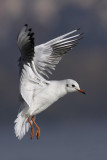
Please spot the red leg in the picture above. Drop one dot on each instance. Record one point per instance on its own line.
(38, 129)
(32, 128)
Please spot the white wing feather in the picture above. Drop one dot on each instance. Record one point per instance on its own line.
(48, 55)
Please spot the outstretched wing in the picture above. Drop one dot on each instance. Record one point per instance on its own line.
(49, 54)
(25, 43)
(30, 80)
(43, 58)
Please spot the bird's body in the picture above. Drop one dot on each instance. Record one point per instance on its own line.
(37, 93)
(50, 93)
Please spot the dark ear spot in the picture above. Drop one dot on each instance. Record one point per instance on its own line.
(67, 85)
(47, 84)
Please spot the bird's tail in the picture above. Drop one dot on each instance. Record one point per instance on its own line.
(21, 125)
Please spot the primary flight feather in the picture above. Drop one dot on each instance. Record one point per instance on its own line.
(36, 63)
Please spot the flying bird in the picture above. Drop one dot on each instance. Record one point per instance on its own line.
(37, 93)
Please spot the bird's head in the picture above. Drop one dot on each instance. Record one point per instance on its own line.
(72, 86)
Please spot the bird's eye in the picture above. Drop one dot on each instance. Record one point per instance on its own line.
(73, 85)
(67, 85)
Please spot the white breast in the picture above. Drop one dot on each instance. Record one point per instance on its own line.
(48, 96)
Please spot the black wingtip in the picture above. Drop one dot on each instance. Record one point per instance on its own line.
(30, 29)
(80, 38)
(81, 34)
(32, 34)
(78, 29)
(76, 43)
(26, 25)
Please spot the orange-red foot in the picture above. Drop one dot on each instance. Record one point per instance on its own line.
(32, 128)
(38, 133)
(38, 129)
(32, 132)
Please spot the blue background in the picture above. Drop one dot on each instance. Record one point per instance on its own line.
(75, 127)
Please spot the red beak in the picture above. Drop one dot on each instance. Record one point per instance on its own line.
(80, 90)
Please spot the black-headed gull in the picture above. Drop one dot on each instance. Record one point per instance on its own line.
(36, 92)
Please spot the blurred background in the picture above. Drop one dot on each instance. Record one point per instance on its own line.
(75, 127)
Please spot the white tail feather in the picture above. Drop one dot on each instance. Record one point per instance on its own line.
(21, 125)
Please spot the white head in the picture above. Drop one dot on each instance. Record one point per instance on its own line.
(72, 86)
